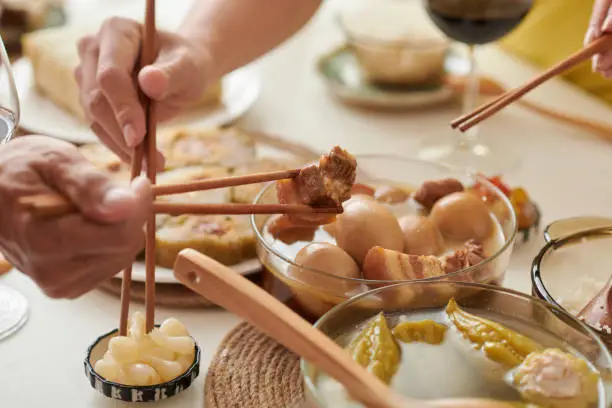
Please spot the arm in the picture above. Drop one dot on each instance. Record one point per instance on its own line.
(236, 32)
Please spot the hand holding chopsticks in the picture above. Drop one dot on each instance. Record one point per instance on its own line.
(485, 111)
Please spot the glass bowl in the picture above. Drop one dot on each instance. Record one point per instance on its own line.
(573, 267)
(312, 292)
(541, 321)
(388, 47)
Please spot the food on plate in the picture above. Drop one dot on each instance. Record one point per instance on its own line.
(387, 264)
(225, 238)
(206, 147)
(19, 17)
(54, 57)
(141, 359)
(449, 353)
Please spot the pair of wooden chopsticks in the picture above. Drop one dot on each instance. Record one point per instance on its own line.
(46, 205)
(485, 111)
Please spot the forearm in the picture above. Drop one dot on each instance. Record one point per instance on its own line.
(236, 32)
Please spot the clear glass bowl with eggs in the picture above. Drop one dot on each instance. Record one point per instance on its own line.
(447, 362)
(314, 270)
(389, 45)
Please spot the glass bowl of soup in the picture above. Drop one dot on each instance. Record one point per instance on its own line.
(388, 232)
(465, 340)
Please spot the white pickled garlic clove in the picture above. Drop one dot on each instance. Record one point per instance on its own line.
(173, 328)
(181, 345)
(185, 361)
(137, 326)
(123, 349)
(108, 369)
(141, 374)
(168, 370)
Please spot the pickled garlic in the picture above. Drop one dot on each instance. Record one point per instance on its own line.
(141, 359)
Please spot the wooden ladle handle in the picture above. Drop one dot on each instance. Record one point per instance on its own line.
(226, 288)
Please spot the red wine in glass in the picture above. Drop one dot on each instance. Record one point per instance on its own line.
(474, 22)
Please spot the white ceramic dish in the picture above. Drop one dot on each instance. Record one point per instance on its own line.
(165, 275)
(39, 115)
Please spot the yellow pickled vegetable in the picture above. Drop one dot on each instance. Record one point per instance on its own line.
(424, 331)
(375, 348)
(500, 344)
(555, 379)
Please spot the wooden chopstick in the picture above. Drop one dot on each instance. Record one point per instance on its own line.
(55, 204)
(180, 208)
(487, 110)
(148, 57)
(209, 184)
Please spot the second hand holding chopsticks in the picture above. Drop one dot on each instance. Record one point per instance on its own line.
(467, 121)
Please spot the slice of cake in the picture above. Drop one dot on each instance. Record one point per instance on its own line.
(54, 57)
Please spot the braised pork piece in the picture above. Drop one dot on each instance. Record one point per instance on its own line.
(326, 183)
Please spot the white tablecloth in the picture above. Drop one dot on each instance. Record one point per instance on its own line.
(567, 172)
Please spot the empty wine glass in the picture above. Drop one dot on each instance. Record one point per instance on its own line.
(14, 310)
(474, 22)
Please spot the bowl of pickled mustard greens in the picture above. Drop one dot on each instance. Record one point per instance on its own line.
(431, 340)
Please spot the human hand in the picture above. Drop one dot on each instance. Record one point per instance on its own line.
(601, 23)
(69, 255)
(108, 89)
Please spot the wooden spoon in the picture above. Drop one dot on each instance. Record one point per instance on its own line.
(597, 313)
(223, 286)
(490, 87)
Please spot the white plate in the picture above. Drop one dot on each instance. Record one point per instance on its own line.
(39, 115)
(165, 275)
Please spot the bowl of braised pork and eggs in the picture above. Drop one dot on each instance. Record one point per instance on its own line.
(402, 220)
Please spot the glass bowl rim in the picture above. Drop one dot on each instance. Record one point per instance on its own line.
(353, 37)
(537, 282)
(312, 389)
(480, 179)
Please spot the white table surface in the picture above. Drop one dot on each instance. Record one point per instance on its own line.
(567, 172)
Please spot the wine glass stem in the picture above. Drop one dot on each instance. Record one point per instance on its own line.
(470, 97)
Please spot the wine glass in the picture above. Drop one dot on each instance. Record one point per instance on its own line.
(14, 310)
(474, 22)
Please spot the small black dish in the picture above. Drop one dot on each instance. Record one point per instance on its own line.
(130, 393)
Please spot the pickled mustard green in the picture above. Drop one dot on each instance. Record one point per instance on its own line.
(422, 331)
(499, 344)
(376, 349)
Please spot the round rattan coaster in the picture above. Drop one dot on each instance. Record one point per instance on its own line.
(250, 370)
(167, 295)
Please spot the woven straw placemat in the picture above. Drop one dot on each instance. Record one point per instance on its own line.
(250, 370)
(167, 295)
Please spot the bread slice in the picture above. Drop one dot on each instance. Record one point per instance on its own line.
(54, 57)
